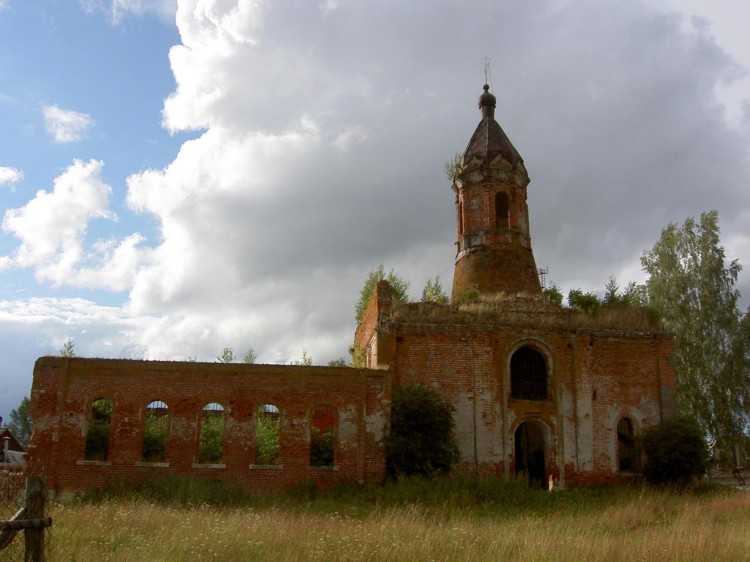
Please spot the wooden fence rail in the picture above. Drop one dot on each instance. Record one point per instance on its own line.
(29, 519)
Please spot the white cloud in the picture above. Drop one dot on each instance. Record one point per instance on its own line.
(52, 229)
(65, 125)
(321, 156)
(4, 4)
(10, 176)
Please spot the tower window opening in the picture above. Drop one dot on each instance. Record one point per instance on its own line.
(460, 218)
(528, 375)
(502, 213)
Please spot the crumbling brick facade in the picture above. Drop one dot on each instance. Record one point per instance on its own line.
(592, 378)
(539, 390)
(65, 388)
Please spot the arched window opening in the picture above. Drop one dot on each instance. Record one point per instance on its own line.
(212, 434)
(155, 432)
(626, 454)
(502, 210)
(99, 430)
(528, 374)
(267, 434)
(460, 218)
(322, 437)
(530, 454)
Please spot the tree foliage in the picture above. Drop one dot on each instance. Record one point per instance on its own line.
(211, 437)
(250, 356)
(433, 291)
(693, 288)
(267, 435)
(399, 286)
(676, 452)
(553, 294)
(227, 356)
(588, 302)
(68, 348)
(155, 434)
(421, 440)
(20, 423)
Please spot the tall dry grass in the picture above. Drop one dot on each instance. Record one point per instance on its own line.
(631, 525)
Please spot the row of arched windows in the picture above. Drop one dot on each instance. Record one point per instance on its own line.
(211, 433)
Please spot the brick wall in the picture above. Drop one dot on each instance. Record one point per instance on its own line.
(64, 389)
(594, 378)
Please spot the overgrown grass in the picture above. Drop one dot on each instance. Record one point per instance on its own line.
(445, 519)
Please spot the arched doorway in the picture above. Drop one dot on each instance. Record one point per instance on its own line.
(531, 454)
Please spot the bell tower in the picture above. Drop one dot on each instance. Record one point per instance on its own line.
(494, 245)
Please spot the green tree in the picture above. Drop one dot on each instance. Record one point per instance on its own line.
(421, 440)
(588, 302)
(20, 423)
(227, 356)
(340, 362)
(676, 452)
(433, 292)
(68, 348)
(692, 287)
(633, 294)
(306, 360)
(553, 294)
(267, 435)
(399, 286)
(249, 357)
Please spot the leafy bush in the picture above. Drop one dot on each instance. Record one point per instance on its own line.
(676, 453)
(212, 438)
(421, 440)
(267, 436)
(155, 437)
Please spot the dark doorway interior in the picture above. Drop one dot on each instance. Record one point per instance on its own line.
(530, 454)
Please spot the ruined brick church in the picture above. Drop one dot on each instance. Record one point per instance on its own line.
(539, 390)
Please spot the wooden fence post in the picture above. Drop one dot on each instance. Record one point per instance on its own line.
(36, 497)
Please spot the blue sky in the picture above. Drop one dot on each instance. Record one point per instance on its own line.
(177, 176)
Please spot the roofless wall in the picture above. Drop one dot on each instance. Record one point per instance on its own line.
(91, 418)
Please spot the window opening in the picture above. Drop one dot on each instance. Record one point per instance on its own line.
(460, 218)
(212, 434)
(155, 432)
(626, 454)
(267, 434)
(502, 213)
(528, 374)
(99, 430)
(322, 437)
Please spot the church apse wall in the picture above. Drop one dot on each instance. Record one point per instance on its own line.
(99, 421)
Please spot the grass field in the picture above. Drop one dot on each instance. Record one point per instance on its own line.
(443, 520)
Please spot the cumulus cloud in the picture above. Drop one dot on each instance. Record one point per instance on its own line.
(52, 228)
(323, 129)
(66, 125)
(10, 176)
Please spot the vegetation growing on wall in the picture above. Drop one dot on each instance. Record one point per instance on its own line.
(399, 286)
(267, 434)
(212, 434)
(155, 432)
